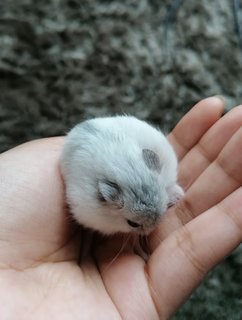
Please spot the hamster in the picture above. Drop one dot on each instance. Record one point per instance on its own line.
(120, 174)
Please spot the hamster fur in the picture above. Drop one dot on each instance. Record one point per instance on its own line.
(120, 174)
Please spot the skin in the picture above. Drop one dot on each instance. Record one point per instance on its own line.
(40, 277)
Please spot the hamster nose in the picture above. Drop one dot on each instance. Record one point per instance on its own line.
(133, 224)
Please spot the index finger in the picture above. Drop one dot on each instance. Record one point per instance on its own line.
(194, 124)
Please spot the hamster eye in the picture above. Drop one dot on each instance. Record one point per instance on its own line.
(133, 224)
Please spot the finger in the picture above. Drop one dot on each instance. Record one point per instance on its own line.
(30, 182)
(210, 145)
(195, 123)
(220, 179)
(34, 222)
(183, 259)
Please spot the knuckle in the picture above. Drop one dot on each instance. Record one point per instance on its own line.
(231, 217)
(204, 152)
(184, 211)
(230, 170)
(187, 247)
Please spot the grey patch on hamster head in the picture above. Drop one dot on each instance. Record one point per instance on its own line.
(89, 127)
(109, 192)
(151, 159)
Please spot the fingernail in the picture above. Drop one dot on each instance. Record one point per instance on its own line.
(221, 98)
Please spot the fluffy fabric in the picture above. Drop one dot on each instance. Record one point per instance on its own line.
(62, 61)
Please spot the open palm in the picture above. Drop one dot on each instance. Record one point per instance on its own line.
(41, 276)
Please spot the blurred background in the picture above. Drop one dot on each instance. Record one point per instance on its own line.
(62, 61)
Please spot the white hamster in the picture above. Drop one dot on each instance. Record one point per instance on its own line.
(120, 174)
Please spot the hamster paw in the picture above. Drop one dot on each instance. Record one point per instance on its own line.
(175, 194)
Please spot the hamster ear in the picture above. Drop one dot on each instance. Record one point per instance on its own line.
(110, 192)
(151, 159)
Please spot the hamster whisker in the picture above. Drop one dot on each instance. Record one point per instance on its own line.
(117, 255)
(142, 247)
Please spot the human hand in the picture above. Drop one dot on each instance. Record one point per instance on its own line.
(40, 277)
